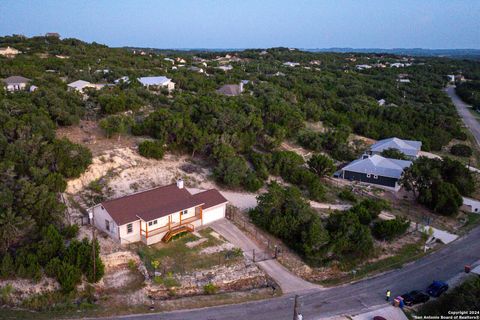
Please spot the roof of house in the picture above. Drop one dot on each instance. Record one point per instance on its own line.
(407, 147)
(230, 90)
(79, 84)
(154, 81)
(15, 80)
(159, 202)
(378, 165)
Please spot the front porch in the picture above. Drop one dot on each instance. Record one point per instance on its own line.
(150, 235)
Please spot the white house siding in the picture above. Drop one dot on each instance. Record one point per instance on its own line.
(134, 236)
(214, 213)
(471, 205)
(100, 215)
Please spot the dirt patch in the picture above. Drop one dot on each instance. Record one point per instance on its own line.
(89, 134)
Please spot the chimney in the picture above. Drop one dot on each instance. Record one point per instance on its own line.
(180, 184)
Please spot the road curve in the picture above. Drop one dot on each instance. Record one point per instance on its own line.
(463, 110)
(347, 299)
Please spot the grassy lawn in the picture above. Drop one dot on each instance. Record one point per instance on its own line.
(176, 257)
(473, 220)
(407, 253)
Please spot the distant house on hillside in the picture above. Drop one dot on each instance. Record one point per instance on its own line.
(124, 79)
(52, 34)
(291, 64)
(157, 82)
(15, 83)
(409, 148)
(231, 89)
(80, 86)
(363, 66)
(225, 68)
(158, 214)
(9, 52)
(381, 102)
(196, 69)
(375, 170)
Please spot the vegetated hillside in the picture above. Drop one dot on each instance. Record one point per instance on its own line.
(238, 135)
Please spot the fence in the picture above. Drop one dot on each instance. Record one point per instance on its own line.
(271, 248)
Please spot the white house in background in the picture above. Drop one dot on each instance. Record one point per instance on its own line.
(158, 214)
(15, 83)
(169, 60)
(225, 68)
(363, 66)
(80, 86)
(157, 82)
(9, 52)
(410, 148)
(470, 205)
(33, 88)
(291, 64)
(451, 78)
(196, 69)
(381, 102)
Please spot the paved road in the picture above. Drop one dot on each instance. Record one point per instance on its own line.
(463, 110)
(348, 299)
(286, 280)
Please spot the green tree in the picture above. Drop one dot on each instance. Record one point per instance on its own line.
(321, 165)
(151, 149)
(394, 154)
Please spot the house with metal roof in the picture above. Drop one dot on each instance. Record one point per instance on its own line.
(231, 89)
(410, 148)
(15, 83)
(376, 170)
(80, 85)
(157, 82)
(157, 214)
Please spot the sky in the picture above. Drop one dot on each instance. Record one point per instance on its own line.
(434, 24)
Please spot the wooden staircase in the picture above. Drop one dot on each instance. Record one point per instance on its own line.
(171, 233)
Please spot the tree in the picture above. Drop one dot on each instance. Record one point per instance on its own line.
(116, 124)
(390, 229)
(393, 154)
(7, 268)
(461, 150)
(151, 149)
(12, 227)
(70, 159)
(321, 165)
(446, 200)
(231, 171)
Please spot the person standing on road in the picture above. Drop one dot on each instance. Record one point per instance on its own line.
(387, 295)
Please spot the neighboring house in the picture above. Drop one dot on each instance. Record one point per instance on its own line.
(291, 64)
(375, 170)
(15, 83)
(195, 69)
(451, 78)
(470, 205)
(363, 66)
(80, 86)
(52, 34)
(410, 148)
(225, 68)
(381, 102)
(157, 82)
(158, 214)
(9, 52)
(231, 89)
(33, 88)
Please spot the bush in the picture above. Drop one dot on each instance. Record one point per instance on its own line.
(321, 165)
(390, 229)
(347, 195)
(7, 268)
(210, 288)
(394, 154)
(151, 149)
(461, 150)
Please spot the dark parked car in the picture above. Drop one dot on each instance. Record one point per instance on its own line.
(415, 297)
(437, 288)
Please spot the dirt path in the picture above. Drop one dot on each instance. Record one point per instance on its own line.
(286, 280)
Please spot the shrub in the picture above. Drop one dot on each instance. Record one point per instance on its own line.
(394, 154)
(347, 195)
(132, 265)
(390, 229)
(461, 150)
(210, 288)
(321, 165)
(7, 268)
(151, 149)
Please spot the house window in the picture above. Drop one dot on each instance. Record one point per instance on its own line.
(130, 228)
(184, 212)
(151, 223)
(107, 225)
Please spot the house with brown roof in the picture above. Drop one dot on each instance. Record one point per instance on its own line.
(157, 214)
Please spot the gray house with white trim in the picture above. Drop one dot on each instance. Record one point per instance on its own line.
(377, 170)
